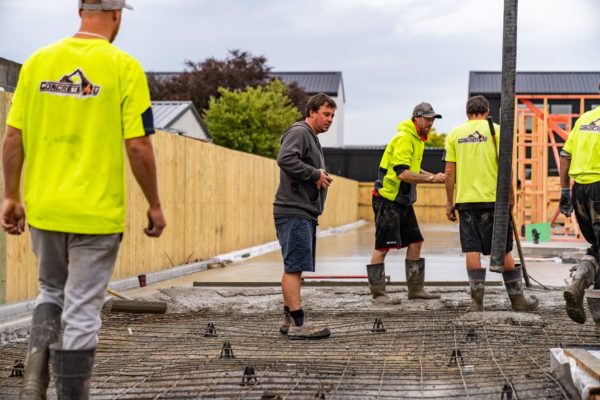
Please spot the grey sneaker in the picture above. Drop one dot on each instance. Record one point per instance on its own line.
(307, 331)
(285, 325)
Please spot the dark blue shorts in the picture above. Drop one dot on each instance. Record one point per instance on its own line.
(298, 240)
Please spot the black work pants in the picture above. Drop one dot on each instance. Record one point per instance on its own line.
(586, 204)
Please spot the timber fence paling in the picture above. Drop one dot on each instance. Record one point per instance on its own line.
(4, 100)
(215, 200)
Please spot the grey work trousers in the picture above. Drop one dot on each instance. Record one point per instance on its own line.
(74, 271)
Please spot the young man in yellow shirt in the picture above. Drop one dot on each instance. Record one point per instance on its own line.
(472, 167)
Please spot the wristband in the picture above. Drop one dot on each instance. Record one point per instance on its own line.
(565, 191)
(430, 178)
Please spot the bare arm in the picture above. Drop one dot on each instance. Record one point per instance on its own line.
(141, 159)
(565, 179)
(450, 182)
(414, 178)
(13, 157)
(12, 162)
(565, 204)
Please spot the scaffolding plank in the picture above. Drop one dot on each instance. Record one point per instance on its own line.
(586, 361)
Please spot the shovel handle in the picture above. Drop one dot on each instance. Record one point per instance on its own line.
(117, 294)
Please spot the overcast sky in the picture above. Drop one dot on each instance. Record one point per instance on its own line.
(393, 53)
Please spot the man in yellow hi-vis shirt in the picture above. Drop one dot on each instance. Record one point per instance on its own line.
(472, 166)
(77, 101)
(394, 193)
(580, 160)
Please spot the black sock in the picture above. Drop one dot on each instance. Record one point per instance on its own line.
(286, 311)
(298, 316)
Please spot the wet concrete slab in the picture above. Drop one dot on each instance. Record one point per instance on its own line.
(348, 253)
(430, 349)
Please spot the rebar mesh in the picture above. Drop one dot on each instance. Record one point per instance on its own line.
(436, 354)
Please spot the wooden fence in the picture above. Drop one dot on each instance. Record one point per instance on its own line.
(215, 199)
(429, 208)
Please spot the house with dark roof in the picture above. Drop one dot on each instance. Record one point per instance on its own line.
(557, 87)
(330, 83)
(547, 105)
(179, 117)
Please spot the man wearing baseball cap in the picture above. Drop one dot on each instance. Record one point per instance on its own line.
(70, 119)
(394, 193)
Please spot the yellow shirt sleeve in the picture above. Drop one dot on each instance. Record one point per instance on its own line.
(403, 151)
(450, 151)
(135, 99)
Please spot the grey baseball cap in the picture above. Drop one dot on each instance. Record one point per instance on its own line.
(104, 5)
(425, 110)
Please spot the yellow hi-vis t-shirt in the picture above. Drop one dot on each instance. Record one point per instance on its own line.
(75, 103)
(583, 144)
(471, 147)
(404, 150)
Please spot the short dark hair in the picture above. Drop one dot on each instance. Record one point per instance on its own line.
(315, 102)
(477, 105)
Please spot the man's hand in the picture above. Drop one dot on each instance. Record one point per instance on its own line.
(439, 178)
(324, 180)
(13, 216)
(450, 212)
(156, 222)
(565, 204)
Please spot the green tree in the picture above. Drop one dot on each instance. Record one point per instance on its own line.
(435, 139)
(201, 80)
(251, 120)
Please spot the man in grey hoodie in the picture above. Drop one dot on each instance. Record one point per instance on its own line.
(298, 203)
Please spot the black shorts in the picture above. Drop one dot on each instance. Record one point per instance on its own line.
(396, 226)
(476, 227)
(586, 204)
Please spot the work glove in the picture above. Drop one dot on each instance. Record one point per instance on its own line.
(565, 204)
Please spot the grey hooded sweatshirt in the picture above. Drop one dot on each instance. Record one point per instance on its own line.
(300, 160)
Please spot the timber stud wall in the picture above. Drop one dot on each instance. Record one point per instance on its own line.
(215, 200)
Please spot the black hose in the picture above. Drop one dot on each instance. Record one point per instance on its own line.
(507, 117)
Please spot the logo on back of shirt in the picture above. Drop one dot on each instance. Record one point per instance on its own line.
(74, 84)
(593, 126)
(474, 137)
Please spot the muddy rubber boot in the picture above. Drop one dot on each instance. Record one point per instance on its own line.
(477, 283)
(45, 328)
(415, 280)
(513, 281)
(72, 370)
(284, 327)
(584, 276)
(376, 274)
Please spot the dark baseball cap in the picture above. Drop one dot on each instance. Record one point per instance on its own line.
(425, 110)
(104, 5)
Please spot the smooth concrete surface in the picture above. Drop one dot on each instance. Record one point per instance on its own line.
(347, 253)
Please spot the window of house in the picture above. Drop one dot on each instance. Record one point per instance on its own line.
(561, 109)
